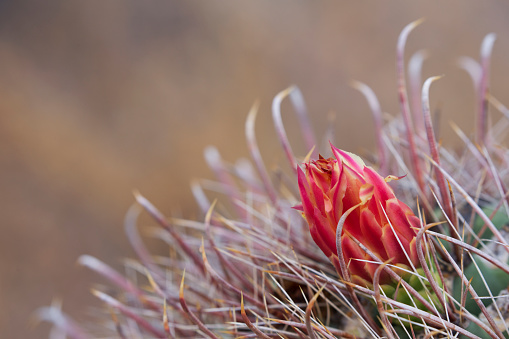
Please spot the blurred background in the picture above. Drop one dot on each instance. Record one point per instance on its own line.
(100, 98)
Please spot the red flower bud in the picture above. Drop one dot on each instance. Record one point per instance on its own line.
(330, 187)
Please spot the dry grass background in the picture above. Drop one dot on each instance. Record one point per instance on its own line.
(99, 98)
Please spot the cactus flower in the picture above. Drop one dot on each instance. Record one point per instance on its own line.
(329, 188)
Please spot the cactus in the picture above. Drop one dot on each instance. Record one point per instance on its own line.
(254, 267)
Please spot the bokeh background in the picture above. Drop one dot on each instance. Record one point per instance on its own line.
(98, 98)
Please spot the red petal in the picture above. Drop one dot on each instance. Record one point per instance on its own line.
(413, 220)
(318, 194)
(415, 223)
(352, 225)
(399, 219)
(335, 174)
(374, 206)
(317, 175)
(339, 191)
(307, 205)
(351, 252)
(393, 247)
(345, 157)
(382, 190)
(372, 234)
(352, 174)
(350, 199)
(352, 189)
(413, 253)
(303, 181)
(323, 234)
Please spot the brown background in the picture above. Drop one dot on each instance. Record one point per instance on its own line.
(100, 97)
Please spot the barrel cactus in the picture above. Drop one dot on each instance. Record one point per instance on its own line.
(335, 248)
